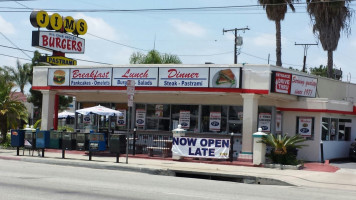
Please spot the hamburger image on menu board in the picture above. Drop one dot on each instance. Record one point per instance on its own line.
(59, 77)
(224, 78)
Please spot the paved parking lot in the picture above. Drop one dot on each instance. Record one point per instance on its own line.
(344, 164)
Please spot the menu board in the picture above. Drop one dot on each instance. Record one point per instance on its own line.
(225, 77)
(183, 77)
(142, 76)
(90, 77)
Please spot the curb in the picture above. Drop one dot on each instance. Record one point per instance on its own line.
(163, 172)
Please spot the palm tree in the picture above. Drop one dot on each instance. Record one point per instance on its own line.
(276, 11)
(281, 144)
(11, 110)
(154, 57)
(329, 18)
(20, 74)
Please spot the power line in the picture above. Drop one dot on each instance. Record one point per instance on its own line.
(15, 45)
(125, 45)
(14, 57)
(212, 8)
(44, 54)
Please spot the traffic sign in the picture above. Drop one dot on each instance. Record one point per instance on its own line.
(130, 83)
(130, 90)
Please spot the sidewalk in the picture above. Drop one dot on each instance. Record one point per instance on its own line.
(313, 176)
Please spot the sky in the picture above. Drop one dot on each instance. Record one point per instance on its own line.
(196, 36)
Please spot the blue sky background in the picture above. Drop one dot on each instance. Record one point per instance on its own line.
(195, 36)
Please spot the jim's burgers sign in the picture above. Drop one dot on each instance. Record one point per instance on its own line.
(62, 35)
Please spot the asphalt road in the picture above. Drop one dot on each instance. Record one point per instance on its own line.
(23, 180)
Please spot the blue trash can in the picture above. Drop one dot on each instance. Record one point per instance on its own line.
(42, 139)
(17, 138)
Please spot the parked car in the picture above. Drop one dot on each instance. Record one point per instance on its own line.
(352, 153)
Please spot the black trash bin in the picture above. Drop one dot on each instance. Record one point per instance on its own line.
(68, 141)
(82, 141)
(55, 141)
(117, 143)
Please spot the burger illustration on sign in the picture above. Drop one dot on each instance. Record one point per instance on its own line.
(224, 78)
(59, 77)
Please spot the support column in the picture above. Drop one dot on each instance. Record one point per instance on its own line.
(48, 101)
(250, 116)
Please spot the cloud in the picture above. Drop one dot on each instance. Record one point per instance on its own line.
(98, 27)
(265, 39)
(188, 27)
(7, 27)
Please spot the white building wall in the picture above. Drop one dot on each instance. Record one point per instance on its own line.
(311, 151)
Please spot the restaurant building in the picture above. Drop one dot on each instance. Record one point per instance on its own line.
(209, 100)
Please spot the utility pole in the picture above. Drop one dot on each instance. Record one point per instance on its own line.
(306, 46)
(237, 43)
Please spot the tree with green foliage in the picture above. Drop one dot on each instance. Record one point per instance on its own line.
(276, 11)
(319, 71)
(19, 75)
(154, 57)
(283, 147)
(329, 18)
(322, 71)
(11, 109)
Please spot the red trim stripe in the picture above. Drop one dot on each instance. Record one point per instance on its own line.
(196, 89)
(319, 110)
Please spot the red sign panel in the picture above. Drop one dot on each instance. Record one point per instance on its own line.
(282, 82)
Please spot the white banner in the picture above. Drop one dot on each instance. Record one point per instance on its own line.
(215, 121)
(184, 119)
(140, 117)
(303, 86)
(90, 77)
(141, 76)
(121, 120)
(201, 147)
(305, 126)
(183, 77)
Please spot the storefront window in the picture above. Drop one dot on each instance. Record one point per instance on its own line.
(158, 117)
(334, 129)
(186, 115)
(214, 119)
(325, 129)
(235, 119)
(344, 129)
(334, 126)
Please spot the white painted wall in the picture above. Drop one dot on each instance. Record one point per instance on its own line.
(311, 151)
